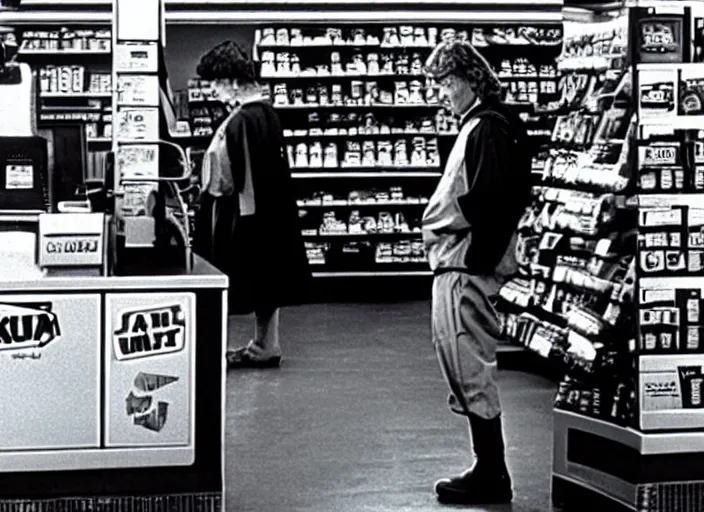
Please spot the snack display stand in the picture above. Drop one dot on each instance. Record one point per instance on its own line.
(640, 446)
(113, 363)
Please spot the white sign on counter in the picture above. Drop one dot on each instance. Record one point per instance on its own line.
(71, 239)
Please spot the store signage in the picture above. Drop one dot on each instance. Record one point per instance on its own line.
(71, 240)
(27, 326)
(68, 244)
(151, 332)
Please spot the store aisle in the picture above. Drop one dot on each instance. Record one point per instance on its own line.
(355, 419)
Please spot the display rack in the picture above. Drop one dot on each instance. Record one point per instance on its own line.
(576, 250)
(648, 456)
(73, 68)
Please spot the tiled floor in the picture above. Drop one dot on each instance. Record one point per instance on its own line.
(355, 420)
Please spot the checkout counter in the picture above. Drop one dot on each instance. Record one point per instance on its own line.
(112, 356)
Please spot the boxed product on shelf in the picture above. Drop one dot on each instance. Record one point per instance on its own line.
(671, 321)
(661, 166)
(406, 36)
(670, 392)
(671, 242)
(73, 79)
(662, 241)
(658, 93)
(660, 39)
(66, 39)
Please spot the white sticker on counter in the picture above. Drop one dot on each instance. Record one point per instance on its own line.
(150, 332)
(27, 326)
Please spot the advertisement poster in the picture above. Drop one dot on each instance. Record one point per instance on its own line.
(50, 371)
(138, 124)
(150, 358)
(138, 161)
(657, 95)
(138, 90)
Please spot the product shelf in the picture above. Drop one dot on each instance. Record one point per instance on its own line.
(55, 53)
(362, 174)
(695, 200)
(83, 94)
(364, 204)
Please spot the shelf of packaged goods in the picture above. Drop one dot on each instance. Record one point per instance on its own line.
(227, 15)
(357, 107)
(325, 136)
(386, 47)
(344, 173)
(55, 52)
(55, 17)
(669, 283)
(394, 76)
(402, 235)
(595, 62)
(84, 94)
(362, 204)
(667, 200)
(375, 273)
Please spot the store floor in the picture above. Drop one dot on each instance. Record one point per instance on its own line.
(355, 420)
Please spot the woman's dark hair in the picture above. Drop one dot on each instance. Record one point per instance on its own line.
(228, 60)
(461, 59)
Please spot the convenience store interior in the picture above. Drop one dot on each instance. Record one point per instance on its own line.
(356, 418)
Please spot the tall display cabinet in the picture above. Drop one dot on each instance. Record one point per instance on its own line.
(629, 422)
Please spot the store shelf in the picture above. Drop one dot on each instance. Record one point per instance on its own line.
(99, 140)
(357, 76)
(349, 204)
(674, 122)
(667, 200)
(369, 174)
(217, 16)
(395, 234)
(595, 62)
(643, 443)
(63, 52)
(364, 135)
(357, 107)
(85, 94)
(667, 283)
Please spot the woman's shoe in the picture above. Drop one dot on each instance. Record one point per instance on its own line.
(251, 357)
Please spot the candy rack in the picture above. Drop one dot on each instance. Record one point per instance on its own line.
(647, 457)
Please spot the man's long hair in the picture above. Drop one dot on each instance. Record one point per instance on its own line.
(461, 59)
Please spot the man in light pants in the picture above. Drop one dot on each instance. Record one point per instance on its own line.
(469, 230)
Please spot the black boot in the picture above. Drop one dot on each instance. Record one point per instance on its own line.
(488, 481)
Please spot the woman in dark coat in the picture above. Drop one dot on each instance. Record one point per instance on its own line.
(247, 223)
